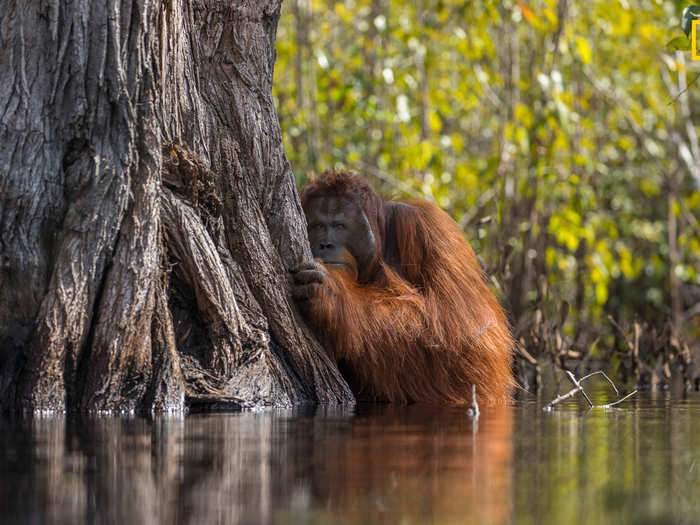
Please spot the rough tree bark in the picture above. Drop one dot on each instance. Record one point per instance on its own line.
(148, 214)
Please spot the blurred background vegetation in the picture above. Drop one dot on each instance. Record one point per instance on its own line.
(561, 135)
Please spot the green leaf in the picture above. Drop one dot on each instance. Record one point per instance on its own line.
(680, 43)
(690, 13)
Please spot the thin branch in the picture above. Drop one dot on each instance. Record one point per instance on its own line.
(578, 388)
(473, 412)
(562, 397)
(575, 382)
(684, 90)
(692, 221)
(523, 352)
(618, 401)
(605, 376)
(686, 150)
(393, 181)
(483, 199)
(491, 95)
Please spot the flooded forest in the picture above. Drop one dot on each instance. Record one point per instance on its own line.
(173, 348)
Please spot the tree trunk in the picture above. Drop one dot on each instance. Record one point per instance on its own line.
(148, 214)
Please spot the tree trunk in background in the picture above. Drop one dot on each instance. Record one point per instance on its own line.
(148, 214)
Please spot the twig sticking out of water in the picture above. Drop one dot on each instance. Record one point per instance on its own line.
(578, 387)
(601, 373)
(561, 398)
(473, 411)
(618, 401)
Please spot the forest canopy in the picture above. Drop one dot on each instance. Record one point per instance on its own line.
(562, 136)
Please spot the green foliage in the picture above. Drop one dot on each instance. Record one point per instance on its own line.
(679, 43)
(552, 131)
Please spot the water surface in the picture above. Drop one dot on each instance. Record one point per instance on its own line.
(639, 463)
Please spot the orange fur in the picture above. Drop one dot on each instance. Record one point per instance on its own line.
(425, 328)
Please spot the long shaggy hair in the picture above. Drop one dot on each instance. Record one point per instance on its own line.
(424, 329)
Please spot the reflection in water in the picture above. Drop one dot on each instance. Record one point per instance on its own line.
(639, 463)
(412, 464)
(372, 464)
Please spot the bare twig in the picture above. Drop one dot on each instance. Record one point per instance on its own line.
(393, 181)
(525, 353)
(490, 93)
(562, 397)
(576, 383)
(473, 411)
(600, 372)
(692, 221)
(579, 388)
(618, 401)
(483, 199)
(684, 90)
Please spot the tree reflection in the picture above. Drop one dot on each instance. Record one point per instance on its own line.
(415, 464)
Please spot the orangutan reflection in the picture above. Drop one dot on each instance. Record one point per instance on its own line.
(393, 464)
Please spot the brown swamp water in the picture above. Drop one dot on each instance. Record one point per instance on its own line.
(639, 463)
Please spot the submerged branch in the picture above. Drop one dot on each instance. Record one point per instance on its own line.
(578, 387)
(562, 397)
(618, 401)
